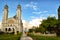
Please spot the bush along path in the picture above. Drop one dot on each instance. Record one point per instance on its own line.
(38, 37)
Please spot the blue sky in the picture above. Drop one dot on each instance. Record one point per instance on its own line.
(31, 9)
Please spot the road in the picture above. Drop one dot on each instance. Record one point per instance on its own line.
(25, 37)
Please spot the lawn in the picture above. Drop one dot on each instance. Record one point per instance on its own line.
(38, 37)
(10, 37)
(17, 37)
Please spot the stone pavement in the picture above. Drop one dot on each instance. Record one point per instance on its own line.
(25, 37)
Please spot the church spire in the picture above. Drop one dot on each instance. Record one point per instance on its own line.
(6, 7)
(18, 12)
(19, 7)
(5, 12)
(5, 15)
(18, 17)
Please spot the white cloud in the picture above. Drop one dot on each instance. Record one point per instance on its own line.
(39, 12)
(51, 15)
(34, 22)
(33, 17)
(45, 11)
(26, 24)
(32, 5)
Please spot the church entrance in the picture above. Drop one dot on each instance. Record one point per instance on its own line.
(9, 30)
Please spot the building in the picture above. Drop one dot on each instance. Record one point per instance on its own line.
(12, 24)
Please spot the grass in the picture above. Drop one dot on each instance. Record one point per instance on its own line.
(38, 37)
(17, 37)
(10, 37)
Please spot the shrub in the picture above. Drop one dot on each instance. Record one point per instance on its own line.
(38, 37)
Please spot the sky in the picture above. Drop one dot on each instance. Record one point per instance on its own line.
(32, 10)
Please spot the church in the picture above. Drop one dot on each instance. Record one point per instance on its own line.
(13, 24)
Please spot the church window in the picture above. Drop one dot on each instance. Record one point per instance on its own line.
(6, 29)
(9, 29)
(8, 25)
(13, 29)
(11, 25)
(11, 21)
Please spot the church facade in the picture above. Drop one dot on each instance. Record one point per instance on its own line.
(12, 24)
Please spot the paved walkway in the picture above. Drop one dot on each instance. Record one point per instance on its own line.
(24, 37)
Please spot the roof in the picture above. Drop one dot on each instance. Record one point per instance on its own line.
(6, 6)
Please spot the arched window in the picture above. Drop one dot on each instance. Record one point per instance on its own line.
(11, 25)
(5, 29)
(13, 29)
(9, 29)
(8, 25)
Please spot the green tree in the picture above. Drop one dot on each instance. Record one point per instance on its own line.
(59, 13)
(50, 22)
(32, 29)
(42, 29)
(37, 29)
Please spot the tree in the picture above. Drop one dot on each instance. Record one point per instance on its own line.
(57, 28)
(49, 23)
(32, 29)
(59, 13)
(42, 29)
(37, 29)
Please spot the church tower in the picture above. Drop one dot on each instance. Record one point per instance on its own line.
(18, 12)
(18, 18)
(12, 24)
(59, 13)
(5, 15)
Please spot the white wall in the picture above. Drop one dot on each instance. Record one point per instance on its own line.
(0, 25)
